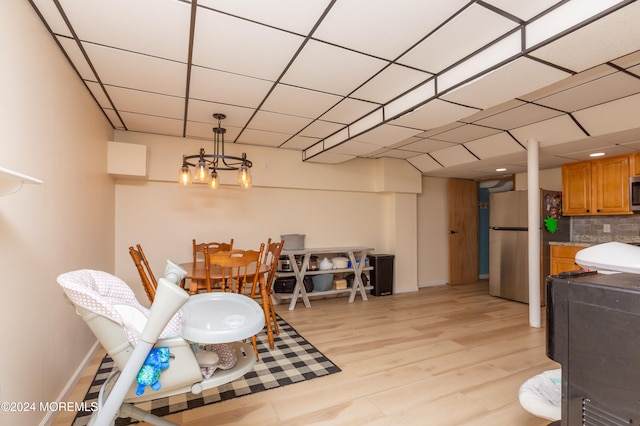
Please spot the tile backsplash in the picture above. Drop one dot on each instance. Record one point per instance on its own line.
(590, 229)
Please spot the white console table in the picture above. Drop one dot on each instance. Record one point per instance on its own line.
(357, 256)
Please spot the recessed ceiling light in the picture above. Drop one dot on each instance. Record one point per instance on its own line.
(502, 169)
(596, 154)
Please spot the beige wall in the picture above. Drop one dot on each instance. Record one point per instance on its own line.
(51, 129)
(433, 241)
(347, 204)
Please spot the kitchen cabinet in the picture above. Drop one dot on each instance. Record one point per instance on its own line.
(357, 256)
(596, 187)
(634, 164)
(563, 258)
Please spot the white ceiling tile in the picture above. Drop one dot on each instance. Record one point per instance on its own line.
(425, 163)
(625, 136)
(98, 94)
(300, 142)
(520, 116)
(355, 148)
(465, 133)
(298, 101)
(262, 138)
(245, 48)
(383, 29)
(480, 63)
(605, 89)
(434, 114)
(196, 129)
(51, 15)
(163, 33)
(113, 118)
(300, 17)
(580, 145)
(386, 135)
(410, 100)
(524, 10)
(126, 69)
(393, 153)
(281, 123)
(202, 111)
(77, 58)
(227, 88)
(494, 146)
(454, 41)
(569, 82)
(507, 82)
(628, 60)
(321, 129)
(329, 157)
(128, 100)
(393, 81)
(349, 110)
(549, 132)
(505, 106)
(152, 124)
(331, 69)
(453, 156)
(427, 145)
(587, 47)
(615, 116)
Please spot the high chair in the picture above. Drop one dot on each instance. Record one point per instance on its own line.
(128, 331)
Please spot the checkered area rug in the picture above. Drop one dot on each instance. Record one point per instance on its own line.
(292, 360)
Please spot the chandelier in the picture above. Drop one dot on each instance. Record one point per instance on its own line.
(207, 166)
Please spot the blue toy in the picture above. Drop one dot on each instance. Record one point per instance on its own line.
(149, 374)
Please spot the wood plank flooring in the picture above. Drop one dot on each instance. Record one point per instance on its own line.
(447, 355)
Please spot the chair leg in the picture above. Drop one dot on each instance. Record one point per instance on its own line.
(255, 347)
(276, 330)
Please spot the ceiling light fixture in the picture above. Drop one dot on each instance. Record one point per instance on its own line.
(206, 169)
(501, 169)
(596, 154)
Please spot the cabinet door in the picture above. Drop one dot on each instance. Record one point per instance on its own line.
(576, 188)
(563, 259)
(610, 178)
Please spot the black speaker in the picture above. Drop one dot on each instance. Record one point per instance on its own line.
(381, 277)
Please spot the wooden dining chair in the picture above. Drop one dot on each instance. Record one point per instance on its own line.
(237, 271)
(146, 275)
(200, 250)
(270, 259)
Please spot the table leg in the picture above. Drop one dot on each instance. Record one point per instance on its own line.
(357, 280)
(299, 289)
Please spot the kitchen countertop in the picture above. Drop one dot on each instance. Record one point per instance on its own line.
(570, 243)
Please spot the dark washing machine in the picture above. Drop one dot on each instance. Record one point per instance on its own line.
(381, 276)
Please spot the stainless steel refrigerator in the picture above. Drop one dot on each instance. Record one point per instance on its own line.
(508, 241)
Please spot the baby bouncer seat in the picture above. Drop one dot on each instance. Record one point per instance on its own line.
(128, 331)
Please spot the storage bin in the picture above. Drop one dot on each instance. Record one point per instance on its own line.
(322, 282)
(293, 241)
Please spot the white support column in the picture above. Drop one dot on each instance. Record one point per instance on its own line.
(533, 187)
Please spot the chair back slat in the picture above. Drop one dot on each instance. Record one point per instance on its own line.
(149, 282)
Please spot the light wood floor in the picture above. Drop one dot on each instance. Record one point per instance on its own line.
(440, 356)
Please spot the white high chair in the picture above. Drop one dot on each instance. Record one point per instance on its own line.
(127, 330)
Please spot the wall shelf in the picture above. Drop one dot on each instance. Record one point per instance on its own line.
(11, 181)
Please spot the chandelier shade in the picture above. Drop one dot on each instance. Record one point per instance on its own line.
(206, 166)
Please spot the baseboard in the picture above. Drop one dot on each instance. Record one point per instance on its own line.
(66, 391)
(432, 284)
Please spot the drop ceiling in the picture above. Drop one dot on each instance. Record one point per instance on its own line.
(457, 88)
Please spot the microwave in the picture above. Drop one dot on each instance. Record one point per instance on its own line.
(634, 193)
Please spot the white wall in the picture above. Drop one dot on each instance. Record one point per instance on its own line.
(51, 129)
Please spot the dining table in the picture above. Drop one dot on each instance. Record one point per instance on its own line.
(196, 272)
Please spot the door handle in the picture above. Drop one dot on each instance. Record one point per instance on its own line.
(451, 232)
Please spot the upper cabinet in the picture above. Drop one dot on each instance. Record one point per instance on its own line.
(596, 187)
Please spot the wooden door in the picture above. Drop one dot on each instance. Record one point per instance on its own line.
(463, 231)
